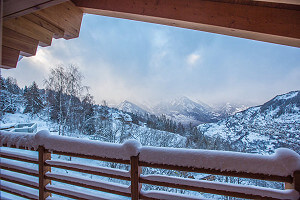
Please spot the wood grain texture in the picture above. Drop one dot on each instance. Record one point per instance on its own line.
(30, 29)
(135, 171)
(265, 21)
(288, 179)
(58, 32)
(17, 8)
(65, 16)
(26, 45)
(10, 57)
(43, 169)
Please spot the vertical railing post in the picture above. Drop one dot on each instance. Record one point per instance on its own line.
(43, 156)
(296, 182)
(135, 171)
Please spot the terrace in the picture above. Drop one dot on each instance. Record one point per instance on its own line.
(27, 24)
(283, 166)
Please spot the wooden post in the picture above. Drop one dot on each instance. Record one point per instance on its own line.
(135, 171)
(43, 156)
(1, 19)
(296, 182)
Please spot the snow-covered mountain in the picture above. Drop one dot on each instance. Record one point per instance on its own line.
(262, 128)
(184, 110)
(130, 107)
(228, 109)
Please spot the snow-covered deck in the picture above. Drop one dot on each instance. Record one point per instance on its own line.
(283, 166)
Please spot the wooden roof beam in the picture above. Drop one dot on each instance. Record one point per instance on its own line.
(58, 32)
(265, 20)
(22, 35)
(17, 8)
(66, 17)
(30, 29)
(26, 45)
(10, 57)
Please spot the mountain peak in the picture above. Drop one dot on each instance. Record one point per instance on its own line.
(184, 110)
(128, 106)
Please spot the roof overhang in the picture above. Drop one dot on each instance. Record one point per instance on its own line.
(27, 24)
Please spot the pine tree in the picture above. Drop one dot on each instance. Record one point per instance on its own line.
(9, 96)
(33, 100)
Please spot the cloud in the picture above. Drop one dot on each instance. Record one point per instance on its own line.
(193, 58)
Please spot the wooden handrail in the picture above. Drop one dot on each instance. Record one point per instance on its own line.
(45, 176)
(286, 179)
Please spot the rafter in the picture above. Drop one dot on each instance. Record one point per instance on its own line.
(69, 18)
(17, 8)
(266, 20)
(22, 35)
(26, 45)
(30, 29)
(58, 32)
(10, 57)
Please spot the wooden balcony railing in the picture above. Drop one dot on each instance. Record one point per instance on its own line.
(283, 166)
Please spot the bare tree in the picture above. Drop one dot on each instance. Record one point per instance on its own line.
(66, 82)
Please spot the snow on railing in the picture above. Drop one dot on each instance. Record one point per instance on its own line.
(282, 166)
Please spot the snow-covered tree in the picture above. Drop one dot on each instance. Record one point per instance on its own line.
(9, 96)
(33, 99)
(66, 84)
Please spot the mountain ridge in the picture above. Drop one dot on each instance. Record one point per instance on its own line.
(272, 124)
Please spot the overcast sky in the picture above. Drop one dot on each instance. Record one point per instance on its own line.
(142, 62)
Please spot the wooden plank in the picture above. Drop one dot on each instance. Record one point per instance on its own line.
(227, 191)
(288, 179)
(30, 29)
(19, 147)
(296, 183)
(58, 32)
(26, 45)
(22, 170)
(9, 57)
(18, 156)
(265, 21)
(100, 186)
(19, 180)
(71, 193)
(1, 25)
(158, 195)
(92, 157)
(43, 169)
(66, 16)
(17, 193)
(88, 169)
(135, 172)
(17, 8)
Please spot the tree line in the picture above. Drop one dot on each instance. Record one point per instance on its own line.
(68, 103)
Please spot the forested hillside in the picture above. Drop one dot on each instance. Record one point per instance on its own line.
(261, 129)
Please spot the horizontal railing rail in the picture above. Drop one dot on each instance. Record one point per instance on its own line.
(283, 166)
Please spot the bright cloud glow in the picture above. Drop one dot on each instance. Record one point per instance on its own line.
(193, 58)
